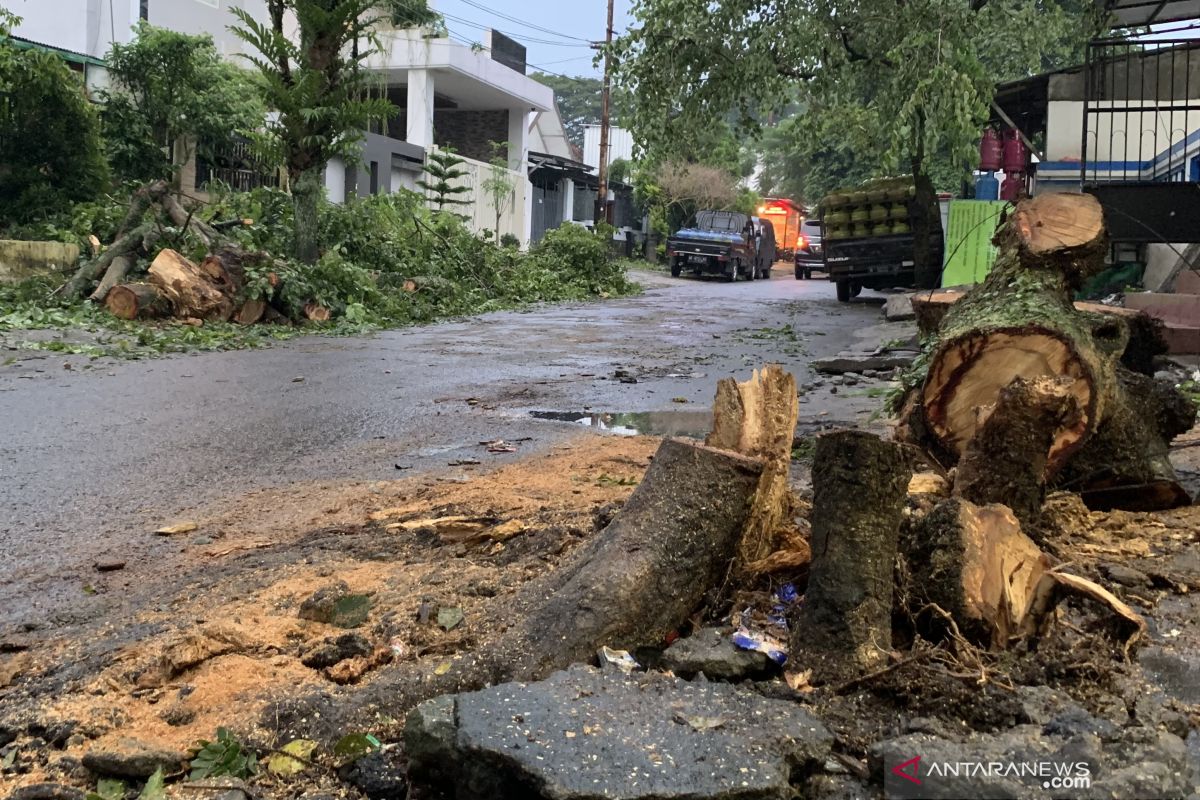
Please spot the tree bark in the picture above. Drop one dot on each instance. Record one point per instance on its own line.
(115, 274)
(136, 301)
(844, 627)
(127, 239)
(307, 191)
(1006, 461)
(976, 564)
(634, 584)
(757, 418)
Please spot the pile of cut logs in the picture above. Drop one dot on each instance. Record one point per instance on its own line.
(175, 286)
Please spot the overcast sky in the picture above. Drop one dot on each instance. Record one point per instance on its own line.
(557, 48)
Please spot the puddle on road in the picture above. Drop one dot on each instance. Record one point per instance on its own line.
(688, 424)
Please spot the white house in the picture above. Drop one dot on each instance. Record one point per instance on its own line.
(474, 99)
(83, 31)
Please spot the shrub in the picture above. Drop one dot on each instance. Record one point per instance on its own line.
(51, 153)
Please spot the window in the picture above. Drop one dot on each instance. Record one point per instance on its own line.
(374, 177)
(145, 9)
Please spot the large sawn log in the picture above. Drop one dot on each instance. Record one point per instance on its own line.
(1020, 323)
(200, 291)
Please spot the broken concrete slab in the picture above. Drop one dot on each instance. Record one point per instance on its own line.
(857, 362)
(711, 651)
(584, 733)
(899, 308)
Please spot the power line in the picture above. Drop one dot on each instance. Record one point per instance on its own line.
(522, 37)
(526, 23)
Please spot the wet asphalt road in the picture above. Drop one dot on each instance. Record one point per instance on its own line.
(92, 461)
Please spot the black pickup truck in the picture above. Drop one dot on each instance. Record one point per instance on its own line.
(718, 243)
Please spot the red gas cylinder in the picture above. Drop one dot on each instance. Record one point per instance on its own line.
(990, 151)
(1014, 184)
(1016, 156)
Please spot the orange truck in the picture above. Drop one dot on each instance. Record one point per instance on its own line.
(785, 217)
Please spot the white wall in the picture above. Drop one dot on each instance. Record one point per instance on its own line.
(90, 27)
(206, 16)
(481, 215)
(620, 145)
(1064, 131)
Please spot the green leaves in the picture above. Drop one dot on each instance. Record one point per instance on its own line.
(224, 756)
(168, 85)
(356, 745)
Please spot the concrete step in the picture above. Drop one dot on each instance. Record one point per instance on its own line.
(1182, 339)
(1182, 310)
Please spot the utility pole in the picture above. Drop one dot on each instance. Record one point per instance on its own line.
(605, 117)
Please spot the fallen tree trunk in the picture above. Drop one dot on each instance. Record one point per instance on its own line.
(136, 301)
(128, 239)
(844, 627)
(1020, 323)
(637, 582)
(757, 418)
(1146, 336)
(1006, 461)
(974, 563)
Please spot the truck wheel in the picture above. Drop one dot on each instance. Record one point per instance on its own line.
(799, 272)
(734, 266)
(676, 268)
(843, 291)
(752, 273)
(855, 289)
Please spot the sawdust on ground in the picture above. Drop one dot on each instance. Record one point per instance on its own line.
(224, 654)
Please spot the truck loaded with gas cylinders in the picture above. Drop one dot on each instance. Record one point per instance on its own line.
(724, 243)
(868, 237)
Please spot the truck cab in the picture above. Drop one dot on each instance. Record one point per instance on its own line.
(717, 243)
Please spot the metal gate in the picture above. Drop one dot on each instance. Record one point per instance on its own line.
(1141, 137)
(547, 210)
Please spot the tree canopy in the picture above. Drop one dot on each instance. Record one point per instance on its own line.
(889, 83)
(317, 83)
(172, 92)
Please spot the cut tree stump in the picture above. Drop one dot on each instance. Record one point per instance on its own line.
(976, 564)
(844, 627)
(194, 292)
(757, 418)
(1006, 461)
(1020, 323)
(637, 582)
(136, 301)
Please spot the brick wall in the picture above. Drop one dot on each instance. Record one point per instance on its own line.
(470, 133)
